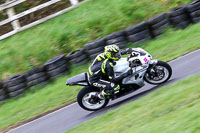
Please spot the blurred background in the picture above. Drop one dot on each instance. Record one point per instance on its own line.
(41, 40)
(70, 31)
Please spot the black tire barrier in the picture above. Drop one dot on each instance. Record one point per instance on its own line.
(196, 19)
(36, 85)
(195, 14)
(157, 19)
(36, 79)
(194, 11)
(95, 44)
(1, 85)
(122, 44)
(17, 87)
(15, 80)
(138, 33)
(176, 11)
(16, 94)
(158, 24)
(93, 53)
(158, 31)
(182, 25)
(118, 38)
(2, 91)
(3, 95)
(15, 84)
(193, 6)
(34, 76)
(74, 54)
(96, 50)
(96, 47)
(36, 70)
(58, 71)
(92, 57)
(136, 28)
(39, 80)
(179, 17)
(115, 40)
(80, 60)
(115, 35)
(139, 37)
(161, 23)
(58, 75)
(142, 41)
(55, 62)
(77, 56)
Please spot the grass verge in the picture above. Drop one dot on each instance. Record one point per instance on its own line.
(72, 30)
(171, 109)
(170, 45)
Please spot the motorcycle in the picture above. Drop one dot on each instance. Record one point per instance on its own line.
(144, 69)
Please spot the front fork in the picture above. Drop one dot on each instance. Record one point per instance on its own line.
(152, 65)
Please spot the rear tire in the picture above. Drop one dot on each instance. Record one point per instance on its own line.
(87, 92)
(164, 70)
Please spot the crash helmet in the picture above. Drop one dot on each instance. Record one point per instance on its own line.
(112, 52)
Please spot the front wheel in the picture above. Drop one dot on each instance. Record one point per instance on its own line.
(159, 73)
(88, 99)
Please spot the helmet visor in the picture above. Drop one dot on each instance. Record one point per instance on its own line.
(118, 55)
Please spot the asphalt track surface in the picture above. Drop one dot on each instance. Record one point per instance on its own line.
(72, 115)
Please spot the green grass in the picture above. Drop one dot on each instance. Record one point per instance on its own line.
(39, 100)
(171, 109)
(90, 21)
(170, 45)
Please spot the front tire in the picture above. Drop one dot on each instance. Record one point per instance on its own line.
(158, 74)
(87, 99)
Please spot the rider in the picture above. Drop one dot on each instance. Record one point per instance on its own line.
(101, 73)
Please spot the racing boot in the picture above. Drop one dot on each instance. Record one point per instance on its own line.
(108, 92)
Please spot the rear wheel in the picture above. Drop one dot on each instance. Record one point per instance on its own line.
(158, 74)
(88, 99)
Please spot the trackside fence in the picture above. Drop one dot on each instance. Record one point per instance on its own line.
(13, 18)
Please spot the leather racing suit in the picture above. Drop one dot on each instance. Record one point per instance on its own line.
(101, 74)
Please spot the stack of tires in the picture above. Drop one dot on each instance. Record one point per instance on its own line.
(194, 11)
(56, 67)
(16, 85)
(138, 33)
(3, 95)
(77, 57)
(158, 24)
(94, 48)
(118, 38)
(36, 77)
(179, 17)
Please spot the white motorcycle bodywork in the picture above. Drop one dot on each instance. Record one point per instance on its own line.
(122, 66)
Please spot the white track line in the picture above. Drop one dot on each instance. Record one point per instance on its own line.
(42, 117)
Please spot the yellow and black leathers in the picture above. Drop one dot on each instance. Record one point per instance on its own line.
(101, 73)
